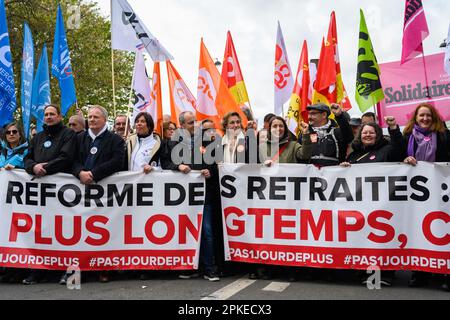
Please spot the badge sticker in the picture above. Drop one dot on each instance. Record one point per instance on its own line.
(240, 148)
(373, 157)
(314, 138)
(427, 139)
(94, 150)
(47, 144)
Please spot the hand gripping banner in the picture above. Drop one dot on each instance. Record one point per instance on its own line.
(129, 221)
(393, 216)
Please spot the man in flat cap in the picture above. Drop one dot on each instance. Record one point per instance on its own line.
(330, 138)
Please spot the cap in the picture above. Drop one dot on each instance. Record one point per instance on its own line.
(356, 122)
(320, 107)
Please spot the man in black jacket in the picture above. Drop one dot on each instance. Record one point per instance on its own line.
(330, 141)
(186, 154)
(52, 150)
(100, 153)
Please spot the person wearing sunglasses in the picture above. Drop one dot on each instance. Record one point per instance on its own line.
(14, 148)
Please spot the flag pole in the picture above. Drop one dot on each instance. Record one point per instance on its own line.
(130, 98)
(112, 70)
(426, 74)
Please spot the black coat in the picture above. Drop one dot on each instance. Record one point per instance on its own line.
(382, 151)
(212, 188)
(400, 143)
(343, 133)
(59, 156)
(109, 158)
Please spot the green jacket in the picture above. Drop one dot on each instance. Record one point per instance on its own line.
(293, 153)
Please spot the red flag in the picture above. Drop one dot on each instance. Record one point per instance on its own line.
(301, 96)
(329, 87)
(324, 85)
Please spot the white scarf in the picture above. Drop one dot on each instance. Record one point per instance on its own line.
(229, 152)
(93, 136)
(323, 130)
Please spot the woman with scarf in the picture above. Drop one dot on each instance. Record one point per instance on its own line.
(14, 148)
(280, 149)
(425, 138)
(143, 146)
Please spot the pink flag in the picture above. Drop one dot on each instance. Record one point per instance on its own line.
(414, 31)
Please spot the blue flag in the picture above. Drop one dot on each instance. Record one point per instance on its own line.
(41, 90)
(61, 67)
(7, 87)
(27, 77)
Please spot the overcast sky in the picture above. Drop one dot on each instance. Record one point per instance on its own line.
(180, 24)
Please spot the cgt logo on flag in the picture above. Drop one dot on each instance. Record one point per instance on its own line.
(282, 72)
(182, 100)
(207, 93)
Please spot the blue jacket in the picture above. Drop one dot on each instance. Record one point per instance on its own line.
(14, 157)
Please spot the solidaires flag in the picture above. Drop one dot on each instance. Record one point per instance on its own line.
(368, 83)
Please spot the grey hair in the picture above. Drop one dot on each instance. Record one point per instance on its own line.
(102, 110)
(79, 119)
(182, 117)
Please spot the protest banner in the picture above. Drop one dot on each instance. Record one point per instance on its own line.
(393, 216)
(405, 88)
(128, 221)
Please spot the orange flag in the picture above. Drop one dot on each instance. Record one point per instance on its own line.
(232, 74)
(214, 100)
(181, 98)
(156, 98)
(301, 96)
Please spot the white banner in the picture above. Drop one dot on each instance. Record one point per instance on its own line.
(393, 216)
(128, 221)
(130, 34)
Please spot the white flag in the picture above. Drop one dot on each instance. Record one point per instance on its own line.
(447, 53)
(142, 89)
(283, 79)
(130, 34)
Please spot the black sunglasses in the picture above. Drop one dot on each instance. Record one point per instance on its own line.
(12, 132)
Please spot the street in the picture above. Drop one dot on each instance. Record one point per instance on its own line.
(167, 286)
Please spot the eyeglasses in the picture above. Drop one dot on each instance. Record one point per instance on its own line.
(190, 122)
(234, 122)
(72, 124)
(12, 132)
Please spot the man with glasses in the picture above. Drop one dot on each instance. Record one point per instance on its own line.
(330, 138)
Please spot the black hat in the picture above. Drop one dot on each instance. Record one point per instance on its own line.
(320, 107)
(356, 122)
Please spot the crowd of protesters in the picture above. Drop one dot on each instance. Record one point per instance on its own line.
(91, 152)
